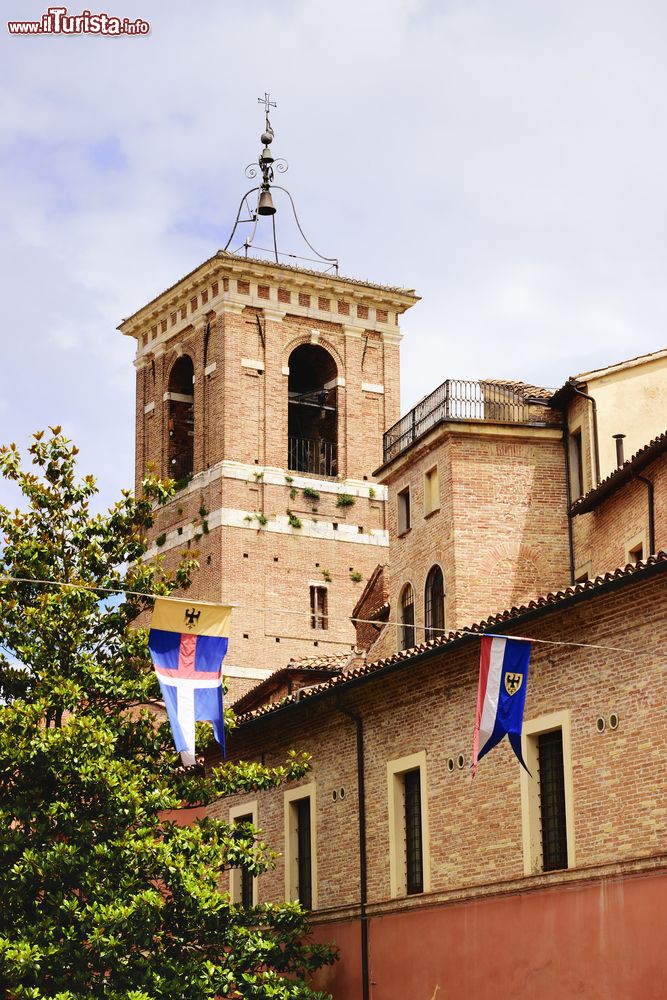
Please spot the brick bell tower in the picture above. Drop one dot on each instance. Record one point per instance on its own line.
(263, 389)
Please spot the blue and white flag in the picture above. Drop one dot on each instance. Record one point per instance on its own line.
(501, 695)
(188, 642)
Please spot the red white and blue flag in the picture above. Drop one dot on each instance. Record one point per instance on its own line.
(188, 642)
(501, 695)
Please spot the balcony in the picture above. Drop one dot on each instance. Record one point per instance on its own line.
(461, 400)
(313, 455)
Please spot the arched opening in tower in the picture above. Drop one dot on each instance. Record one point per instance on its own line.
(181, 418)
(313, 411)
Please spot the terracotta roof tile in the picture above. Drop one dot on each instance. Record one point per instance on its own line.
(523, 388)
(332, 664)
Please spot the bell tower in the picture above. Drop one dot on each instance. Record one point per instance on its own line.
(263, 388)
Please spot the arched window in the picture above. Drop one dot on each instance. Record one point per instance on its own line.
(407, 611)
(313, 411)
(181, 402)
(434, 603)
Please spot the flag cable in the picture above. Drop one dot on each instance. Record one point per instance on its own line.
(307, 614)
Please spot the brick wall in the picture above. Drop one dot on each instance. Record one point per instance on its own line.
(602, 537)
(240, 330)
(500, 531)
(475, 828)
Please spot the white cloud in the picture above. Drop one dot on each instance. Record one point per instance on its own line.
(507, 160)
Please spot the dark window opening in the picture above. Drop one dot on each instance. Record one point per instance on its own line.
(413, 832)
(576, 465)
(636, 555)
(552, 800)
(246, 879)
(434, 603)
(313, 411)
(304, 886)
(407, 628)
(181, 419)
(319, 615)
(403, 511)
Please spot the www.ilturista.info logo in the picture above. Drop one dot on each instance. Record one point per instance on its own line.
(56, 21)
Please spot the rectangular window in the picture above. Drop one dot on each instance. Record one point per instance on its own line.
(552, 800)
(413, 832)
(547, 797)
(242, 886)
(303, 859)
(431, 490)
(300, 846)
(404, 511)
(406, 631)
(636, 554)
(409, 855)
(576, 465)
(319, 615)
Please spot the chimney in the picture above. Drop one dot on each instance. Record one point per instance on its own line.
(619, 449)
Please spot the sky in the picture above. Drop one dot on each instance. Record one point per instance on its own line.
(505, 158)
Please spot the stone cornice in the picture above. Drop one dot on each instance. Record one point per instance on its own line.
(179, 296)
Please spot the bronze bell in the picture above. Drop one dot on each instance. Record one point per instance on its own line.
(266, 206)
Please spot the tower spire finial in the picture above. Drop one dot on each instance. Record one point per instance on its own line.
(264, 205)
(268, 103)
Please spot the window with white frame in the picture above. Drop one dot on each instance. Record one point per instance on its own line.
(547, 798)
(301, 845)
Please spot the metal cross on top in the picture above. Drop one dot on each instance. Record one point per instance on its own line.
(268, 103)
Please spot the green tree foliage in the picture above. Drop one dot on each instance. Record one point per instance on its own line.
(102, 895)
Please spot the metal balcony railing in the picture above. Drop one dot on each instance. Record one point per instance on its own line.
(313, 455)
(457, 399)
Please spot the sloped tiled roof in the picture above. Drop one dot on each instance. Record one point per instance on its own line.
(619, 477)
(523, 388)
(316, 665)
(581, 591)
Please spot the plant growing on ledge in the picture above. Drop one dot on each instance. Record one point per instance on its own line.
(372, 493)
(327, 575)
(311, 494)
(258, 476)
(202, 511)
(345, 500)
(290, 482)
(295, 521)
(356, 576)
(160, 540)
(257, 516)
(204, 527)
